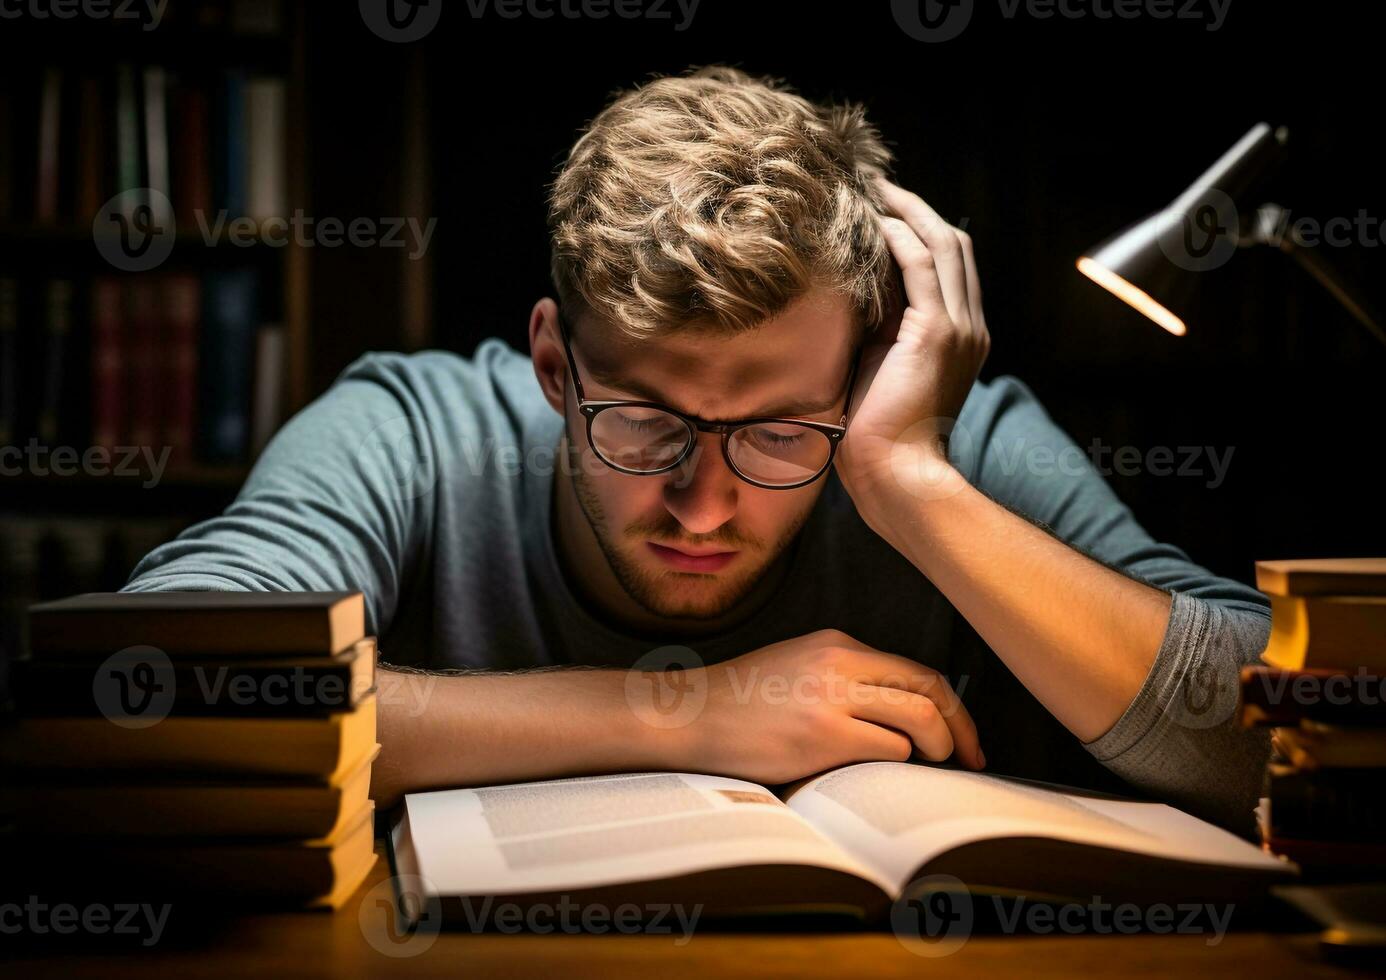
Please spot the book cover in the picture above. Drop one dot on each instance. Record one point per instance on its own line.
(198, 623)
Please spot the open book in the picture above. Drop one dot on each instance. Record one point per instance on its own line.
(853, 841)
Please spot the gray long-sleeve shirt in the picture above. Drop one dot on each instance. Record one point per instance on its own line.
(425, 482)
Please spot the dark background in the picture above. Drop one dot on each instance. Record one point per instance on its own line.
(1044, 135)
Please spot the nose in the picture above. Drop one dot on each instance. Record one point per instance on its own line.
(702, 491)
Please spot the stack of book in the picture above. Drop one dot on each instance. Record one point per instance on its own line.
(216, 744)
(1323, 690)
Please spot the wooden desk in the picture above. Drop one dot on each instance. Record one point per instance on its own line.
(336, 945)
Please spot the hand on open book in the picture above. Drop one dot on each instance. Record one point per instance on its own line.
(814, 702)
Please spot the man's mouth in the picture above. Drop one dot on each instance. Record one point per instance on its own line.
(692, 561)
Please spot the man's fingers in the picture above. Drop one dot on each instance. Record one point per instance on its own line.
(907, 712)
(872, 743)
(974, 287)
(888, 670)
(922, 287)
(940, 238)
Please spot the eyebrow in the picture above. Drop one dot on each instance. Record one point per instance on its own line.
(642, 393)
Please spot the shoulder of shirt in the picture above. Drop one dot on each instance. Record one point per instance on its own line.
(493, 356)
(496, 380)
(1003, 398)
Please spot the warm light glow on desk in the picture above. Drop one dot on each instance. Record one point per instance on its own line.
(1137, 298)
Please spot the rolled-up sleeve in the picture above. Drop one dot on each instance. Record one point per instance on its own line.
(1178, 739)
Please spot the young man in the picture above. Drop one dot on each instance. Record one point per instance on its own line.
(667, 480)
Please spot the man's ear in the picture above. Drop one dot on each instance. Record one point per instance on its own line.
(546, 351)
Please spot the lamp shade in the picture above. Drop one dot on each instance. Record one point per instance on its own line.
(1153, 264)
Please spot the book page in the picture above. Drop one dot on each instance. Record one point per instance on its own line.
(574, 833)
(895, 816)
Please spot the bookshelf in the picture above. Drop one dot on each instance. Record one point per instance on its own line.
(202, 354)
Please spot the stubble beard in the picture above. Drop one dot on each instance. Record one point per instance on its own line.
(674, 594)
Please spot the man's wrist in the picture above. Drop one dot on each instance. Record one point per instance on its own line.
(899, 499)
(656, 720)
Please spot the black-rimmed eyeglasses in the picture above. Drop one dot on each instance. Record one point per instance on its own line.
(646, 438)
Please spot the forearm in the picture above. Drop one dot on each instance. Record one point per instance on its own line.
(484, 728)
(1079, 635)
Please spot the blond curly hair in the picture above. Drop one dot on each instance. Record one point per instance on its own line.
(716, 199)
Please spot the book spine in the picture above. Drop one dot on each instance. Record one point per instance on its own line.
(144, 374)
(107, 363)
(229, 318)
(182, 309)
(231, 146)
(47, 689)
(50, 128)
(193, 175)
(9, 361)
(91, 152)
(1332, 805)
(57, 326)
(7, 155)
(268, 400)
(266, 181)
(127, 130)
(1286, 697)
(156, 139)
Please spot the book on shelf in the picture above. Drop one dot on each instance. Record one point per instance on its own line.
(10, 422)
(109, 406)
(229, 320)
(58, 304)
(267, 191)
(852, 841)
(182, 300)
(142, 362)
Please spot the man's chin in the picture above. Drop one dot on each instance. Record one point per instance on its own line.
(691, 595)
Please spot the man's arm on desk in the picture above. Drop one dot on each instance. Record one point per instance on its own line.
(491, 727)
(322, 511)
